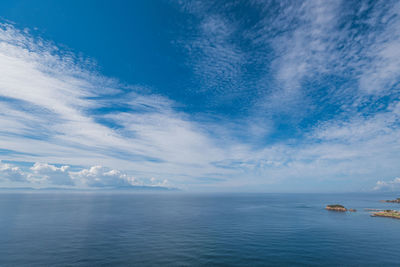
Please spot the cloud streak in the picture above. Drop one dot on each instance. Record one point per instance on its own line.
(314, 102)
(55, 105)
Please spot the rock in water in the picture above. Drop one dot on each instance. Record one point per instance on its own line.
(397, 200)
(387, 213)
(336, 207)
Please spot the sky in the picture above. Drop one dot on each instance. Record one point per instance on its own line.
(237, 96)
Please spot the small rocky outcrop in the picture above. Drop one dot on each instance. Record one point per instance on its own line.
(387, 213)
(336, 207)
(397, 200)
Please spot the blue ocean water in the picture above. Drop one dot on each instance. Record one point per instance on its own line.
(180, 229)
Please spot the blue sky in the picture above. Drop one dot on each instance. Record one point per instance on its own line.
(271, 96)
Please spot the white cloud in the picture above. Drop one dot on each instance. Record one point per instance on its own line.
(393, 185)
(49, 174)
(49, 105)
(380, 70)
(11, 173)
(305, 51)
(321, 58)
(50, 99)
(98, 176)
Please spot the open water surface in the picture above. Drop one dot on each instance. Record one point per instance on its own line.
(180, 229)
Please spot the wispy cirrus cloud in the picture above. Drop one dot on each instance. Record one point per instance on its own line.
(311, 90)
(300, 58)
(54, 110)
(327, 91)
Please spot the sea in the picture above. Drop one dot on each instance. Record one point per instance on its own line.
(193, 229)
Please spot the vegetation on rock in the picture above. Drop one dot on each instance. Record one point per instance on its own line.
(336, 207)
(387, 213)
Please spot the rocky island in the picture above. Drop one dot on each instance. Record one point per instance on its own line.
(397, 200)
(387, 213)
(337, 207)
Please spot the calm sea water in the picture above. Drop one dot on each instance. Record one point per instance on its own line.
(176, 229)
